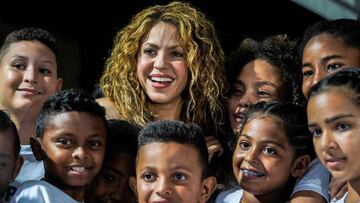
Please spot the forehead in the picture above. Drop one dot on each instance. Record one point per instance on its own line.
(259, 70)
(163, 32)
(80, 124)
(265, 128)
(168, 155)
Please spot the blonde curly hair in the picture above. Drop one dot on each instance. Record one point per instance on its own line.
(204, 94)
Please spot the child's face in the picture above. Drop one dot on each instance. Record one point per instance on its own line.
(324, 55)
(257, 81)
(334, 122)
(9, 165)
(263, 158)
(72, 148)
(170, 172)
(28, 76)
(112, 183)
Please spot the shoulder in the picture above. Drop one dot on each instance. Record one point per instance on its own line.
(32, 191)
(111, 111)
(230, 196)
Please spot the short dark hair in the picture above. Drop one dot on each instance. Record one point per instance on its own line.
(7, 124)
(28, 34)
(280, 52)
(349, 78)
(293, 120)
(66, 101)
(122, 137)
(346, 29)
(177, 131)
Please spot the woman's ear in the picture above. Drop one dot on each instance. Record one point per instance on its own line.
(132, 184)
(36, 148)
(208, 187)
(300, 166)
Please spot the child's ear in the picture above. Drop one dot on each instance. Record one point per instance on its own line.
(132, 184)
(59, 84)
(36, 148)
(300, 165)
(17, 166)
(208, 187)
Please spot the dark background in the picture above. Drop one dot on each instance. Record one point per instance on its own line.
(85, 32)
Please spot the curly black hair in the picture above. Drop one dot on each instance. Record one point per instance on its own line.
(280, 52)
(66, 101)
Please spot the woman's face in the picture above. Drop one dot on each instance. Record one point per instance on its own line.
(324, 55)
(257, 81)
(161, 67)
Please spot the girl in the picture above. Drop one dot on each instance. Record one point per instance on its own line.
(273, 149)
(334, 121)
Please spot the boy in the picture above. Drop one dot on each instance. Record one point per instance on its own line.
(28, 76)
(112, 183)
(10, 161)
(71, 135)
(172, 164)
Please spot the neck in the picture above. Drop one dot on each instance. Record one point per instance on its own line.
(75, 192)
(25, 124)
(353, 191)
(170, 111)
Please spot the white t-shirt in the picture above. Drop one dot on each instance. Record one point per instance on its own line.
(230, 196)
(30, 170)
(341, 200)
(316, 179)
(38, 191)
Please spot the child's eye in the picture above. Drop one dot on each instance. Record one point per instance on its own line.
(148, 177)
(307, 74)
(244, 145)
(333, 67)
(315, 132)
(237, 92)
(262, 93)
(44, 71)
(269, 150)
(343, 127)
(180, 176)
(108, 177)
(95, 144)
(63, 141)
(19, 66)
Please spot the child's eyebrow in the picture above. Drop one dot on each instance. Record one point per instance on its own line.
(262, 83)
(331, 119)
(268, 141)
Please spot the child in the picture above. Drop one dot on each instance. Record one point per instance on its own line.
(10, 161)
(28, 76)
(71, 135)
(273, 149)
(172, 164)
(112, 183)
(334, 121)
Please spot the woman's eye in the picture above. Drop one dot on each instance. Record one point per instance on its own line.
(176, 54)
(179, 176)
(333, 67)
(150, 52)
(269, 150)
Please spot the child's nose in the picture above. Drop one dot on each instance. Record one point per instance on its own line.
(163, 187)
(80, 153)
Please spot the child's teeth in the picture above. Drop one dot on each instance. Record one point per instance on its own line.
(78, 168)
(251, 173)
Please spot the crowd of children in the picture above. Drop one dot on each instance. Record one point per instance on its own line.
(279, 125)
